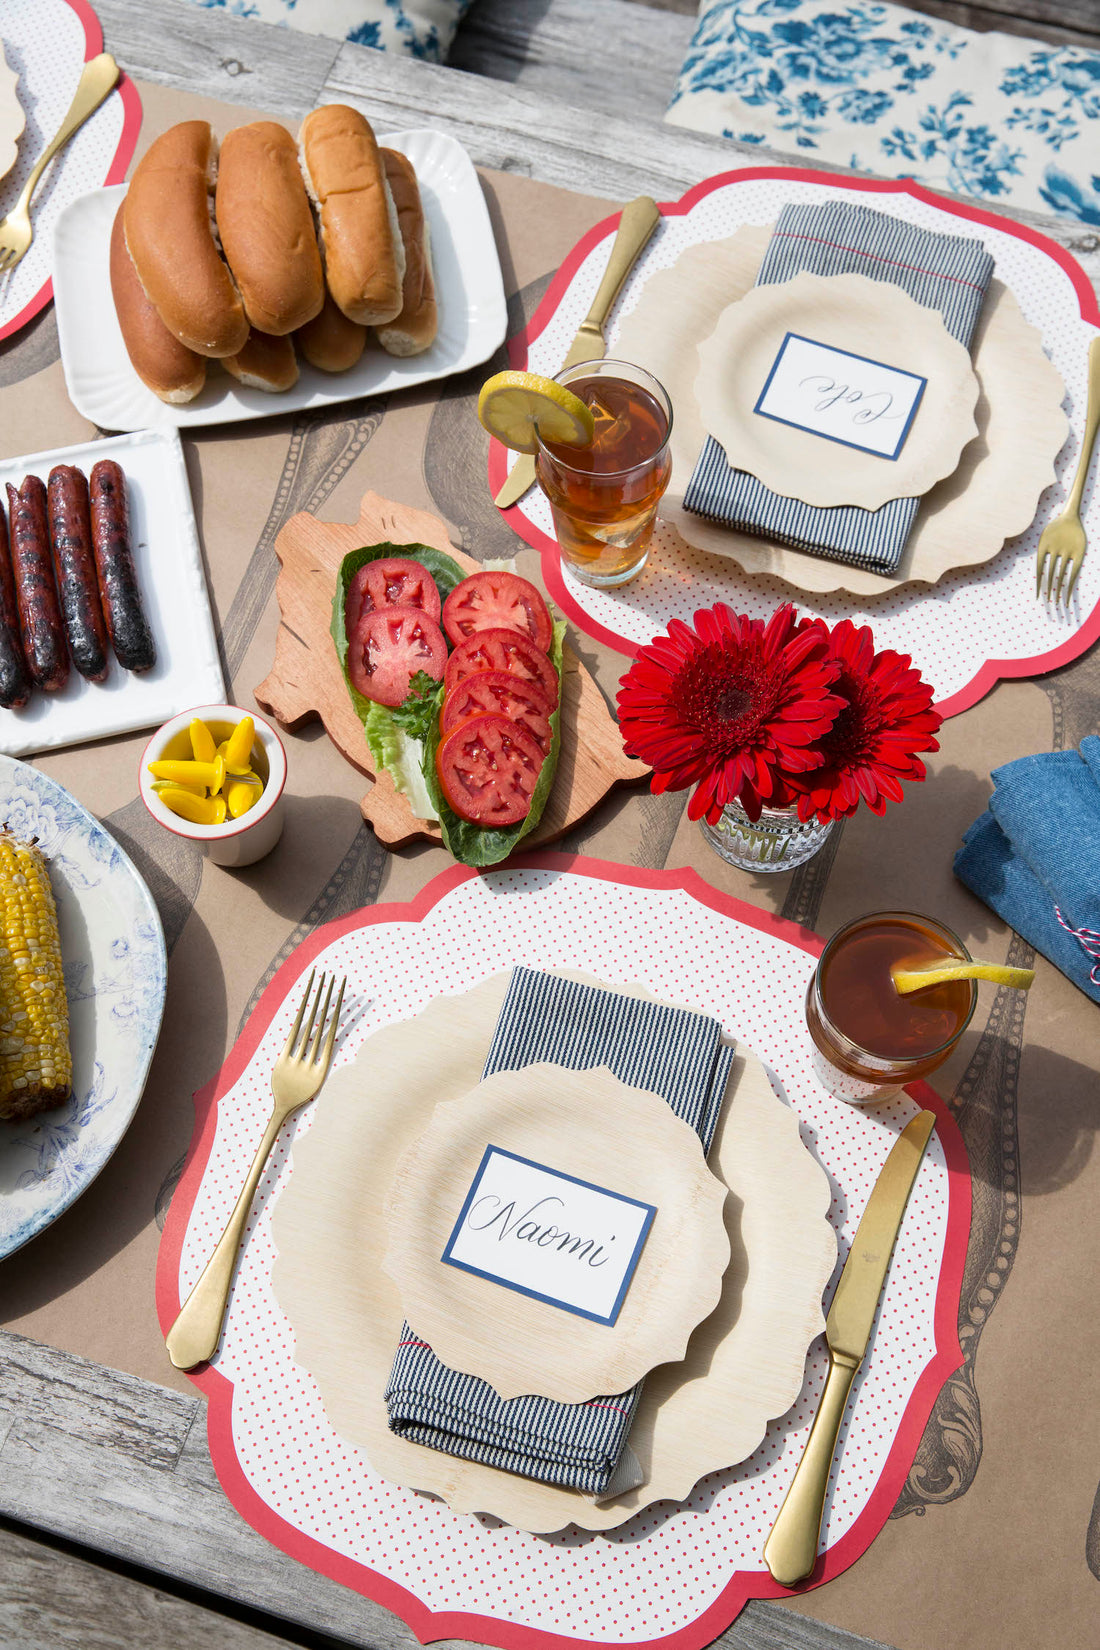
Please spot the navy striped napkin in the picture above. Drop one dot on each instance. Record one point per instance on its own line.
(670, 1051)
(950, 273)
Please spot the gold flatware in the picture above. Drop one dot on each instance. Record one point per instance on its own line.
(639, 219)
(1062, 545)
(791, 1549)
(297, 1076)
(96, 80)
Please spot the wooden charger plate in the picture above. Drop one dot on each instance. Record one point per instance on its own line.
(306, 682)
(744, 1365)
(592, 1127)
(963, 521)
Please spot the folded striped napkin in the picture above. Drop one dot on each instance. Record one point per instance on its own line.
(670, 1051)
(950, 273)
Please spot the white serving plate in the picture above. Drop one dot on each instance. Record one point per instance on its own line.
(113, 951)
(469, 289)
(173, 588)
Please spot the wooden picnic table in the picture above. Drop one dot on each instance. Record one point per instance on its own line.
(115, 1529)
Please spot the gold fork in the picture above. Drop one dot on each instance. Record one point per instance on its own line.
(97, 78)
(297, 1076)
(1062, 545)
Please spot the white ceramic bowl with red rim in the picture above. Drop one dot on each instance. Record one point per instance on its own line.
(239, 841)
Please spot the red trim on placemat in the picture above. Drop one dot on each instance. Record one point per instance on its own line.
(127, 142)
(994, 670)
(429, 1625)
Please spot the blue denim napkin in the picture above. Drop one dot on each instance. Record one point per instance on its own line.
(1034, 856)
(670, 1051)
(950, 273)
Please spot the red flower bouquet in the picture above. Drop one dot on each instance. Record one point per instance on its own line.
(785, 714)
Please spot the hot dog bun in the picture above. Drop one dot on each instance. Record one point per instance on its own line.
(360, 237)
(330, 341)
(170, 238)
(169, 368)
(415, 328)
(265, 362)
(266, 228)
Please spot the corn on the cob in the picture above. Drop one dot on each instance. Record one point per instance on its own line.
(35, 1063)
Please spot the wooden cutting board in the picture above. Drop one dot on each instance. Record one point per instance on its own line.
(306, 682)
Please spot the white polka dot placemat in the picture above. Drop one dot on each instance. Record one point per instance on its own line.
(976, 625)
(675, 1572)
(47, 43)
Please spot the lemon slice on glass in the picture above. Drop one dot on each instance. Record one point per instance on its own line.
(513, 404)
(915, 979)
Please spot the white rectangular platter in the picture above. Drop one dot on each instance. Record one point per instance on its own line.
(170, 576)
(470, 292)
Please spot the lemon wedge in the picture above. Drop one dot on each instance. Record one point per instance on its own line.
(513, 404)
(915, 979)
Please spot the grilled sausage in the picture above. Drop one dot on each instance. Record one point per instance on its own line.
(74, 566)
(44, 646)
(15, 682)
(127, 625)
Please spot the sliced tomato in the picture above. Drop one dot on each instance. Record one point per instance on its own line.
(487, 769)
(502, 650)
(392, 581)
(499, 693)
(497, 601)
(388, 648)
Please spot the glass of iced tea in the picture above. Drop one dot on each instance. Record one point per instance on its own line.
(604, 497)
(869, 1039)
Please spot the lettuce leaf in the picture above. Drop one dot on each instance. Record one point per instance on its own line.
(402, 756)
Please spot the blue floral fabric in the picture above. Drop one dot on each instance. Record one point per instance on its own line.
(880, 89)
(417, 28)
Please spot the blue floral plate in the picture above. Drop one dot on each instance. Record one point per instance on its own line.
(115, 978)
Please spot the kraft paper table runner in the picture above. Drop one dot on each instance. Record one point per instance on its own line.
(1024, 1084)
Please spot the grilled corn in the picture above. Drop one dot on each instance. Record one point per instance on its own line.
(35, 1064)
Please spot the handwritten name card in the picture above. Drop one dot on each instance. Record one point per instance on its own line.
(843, 397)
(549, 1235)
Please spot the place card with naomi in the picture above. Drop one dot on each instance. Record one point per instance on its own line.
(556, 1232)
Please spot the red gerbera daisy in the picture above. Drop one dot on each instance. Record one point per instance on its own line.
(725, 705)
(872, 745)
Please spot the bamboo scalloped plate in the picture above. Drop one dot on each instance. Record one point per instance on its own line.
(589, 1126)
(858, 316)
(744, 1364)
(963, 521)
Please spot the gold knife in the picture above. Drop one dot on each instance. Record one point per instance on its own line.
(791, 1550)
(639, 219)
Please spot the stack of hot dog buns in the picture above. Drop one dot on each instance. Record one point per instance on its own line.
(242, 255)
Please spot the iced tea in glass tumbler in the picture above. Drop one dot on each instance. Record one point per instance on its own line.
(604, 497)
(870, 1039)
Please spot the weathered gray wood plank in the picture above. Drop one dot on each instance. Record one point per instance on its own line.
(605, 56)
(1072, 24)
(121, 1466)
(53, 1600)
(205, 50)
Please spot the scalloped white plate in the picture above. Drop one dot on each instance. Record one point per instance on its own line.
(12, 118)
(469, 288)
(112, 946)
